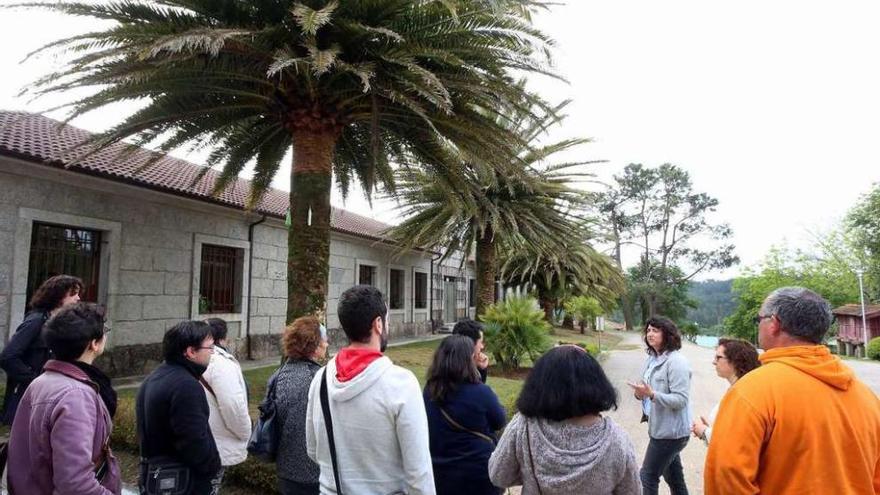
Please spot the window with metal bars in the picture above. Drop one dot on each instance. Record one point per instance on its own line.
(367, 275)
(220, 281)
(472, 292)
(65, 250)
(420, 290)
(396, 282)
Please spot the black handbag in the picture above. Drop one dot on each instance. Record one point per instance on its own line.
(264, 440)
(162, 475)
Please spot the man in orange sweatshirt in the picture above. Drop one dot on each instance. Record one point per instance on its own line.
(801, 423)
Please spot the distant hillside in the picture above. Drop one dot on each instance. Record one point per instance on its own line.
(714, 300)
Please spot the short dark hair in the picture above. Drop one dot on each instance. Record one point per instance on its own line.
(452, 365)
(50, 293)
(741, 354)
(566, 382)
(671, 335)
(358, 307)
(468, 328)
(801, 312)
(182, 336)
(73, 327)
(219, 329)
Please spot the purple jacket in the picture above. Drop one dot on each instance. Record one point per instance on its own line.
(59, 436)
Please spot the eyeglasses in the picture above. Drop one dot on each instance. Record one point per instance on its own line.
(718, 358)
(205, 348)
(757, 319)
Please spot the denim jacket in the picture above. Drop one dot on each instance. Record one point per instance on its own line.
(670, 410)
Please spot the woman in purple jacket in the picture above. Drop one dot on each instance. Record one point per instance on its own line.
(59, 442)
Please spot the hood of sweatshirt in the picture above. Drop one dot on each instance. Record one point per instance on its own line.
(355, 385)
(814, 360)
(567, 451)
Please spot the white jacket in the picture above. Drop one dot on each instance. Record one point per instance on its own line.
(229, 420)
(380, 428)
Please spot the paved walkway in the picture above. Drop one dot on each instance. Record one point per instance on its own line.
(706, 389)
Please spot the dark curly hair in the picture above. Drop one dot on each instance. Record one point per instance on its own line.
(741, 354)
(301, 338)
(671, 335)
(49, 295)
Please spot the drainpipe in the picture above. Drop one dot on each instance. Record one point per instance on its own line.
(247, 317)
(431, 293)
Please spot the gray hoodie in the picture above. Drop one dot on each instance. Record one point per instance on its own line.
(597, 459)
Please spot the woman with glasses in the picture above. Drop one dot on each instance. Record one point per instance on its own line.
(665, 395)
(733, 359)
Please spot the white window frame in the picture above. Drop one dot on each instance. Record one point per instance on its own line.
(198, 241)
(406, 302)
(108, 275)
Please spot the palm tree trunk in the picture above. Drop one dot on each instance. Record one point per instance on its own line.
(308, 239)
(549, 307)
(486, 270)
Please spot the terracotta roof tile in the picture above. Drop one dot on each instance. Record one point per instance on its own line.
(856, 310)
(40, 139)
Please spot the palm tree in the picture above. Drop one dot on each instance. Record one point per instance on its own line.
(556, 275)
(485, 212)
(354, 87)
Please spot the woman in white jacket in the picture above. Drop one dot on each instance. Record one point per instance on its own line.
(227, 399)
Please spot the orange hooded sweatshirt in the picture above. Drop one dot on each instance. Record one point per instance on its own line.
(800, 424)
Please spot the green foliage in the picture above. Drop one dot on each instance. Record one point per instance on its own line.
(353, 87)
(584, 309)
(689, 330)
(874, 348)
(515, 330)
(590, 347)
(826, 269)
(714, 301)
(124, 434)
(658, 210)
(863, 228)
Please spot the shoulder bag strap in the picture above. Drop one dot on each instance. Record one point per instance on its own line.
(531, 460)
(207, 386)
(328, 423)
(458, 427)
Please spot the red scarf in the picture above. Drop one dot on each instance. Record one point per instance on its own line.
(351, 362)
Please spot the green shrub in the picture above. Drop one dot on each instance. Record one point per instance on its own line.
(584, 309)
(515, 329)
(874, 348)
(124, 434)
(591, 348)
(261, 477)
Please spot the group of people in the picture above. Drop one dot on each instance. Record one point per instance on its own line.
(794, 420)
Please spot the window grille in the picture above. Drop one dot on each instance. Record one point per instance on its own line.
(65, 250)
(220, 282)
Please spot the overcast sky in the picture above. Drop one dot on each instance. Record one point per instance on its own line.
(773, 107)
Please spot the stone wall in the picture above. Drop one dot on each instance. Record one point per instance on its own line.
(151, 254)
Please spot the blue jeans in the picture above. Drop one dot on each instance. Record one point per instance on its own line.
(662, 459)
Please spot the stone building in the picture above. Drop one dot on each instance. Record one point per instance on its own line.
(156, 247)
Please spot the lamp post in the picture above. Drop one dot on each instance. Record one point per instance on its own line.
(859, 274)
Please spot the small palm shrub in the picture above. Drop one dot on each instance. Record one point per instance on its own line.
(583, 308)
(874, 348)
(515, 329)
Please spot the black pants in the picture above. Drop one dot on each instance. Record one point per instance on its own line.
(290, 487)
(662, 459)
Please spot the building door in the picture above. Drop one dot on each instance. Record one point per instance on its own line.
(449, 300)
(64, 250)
